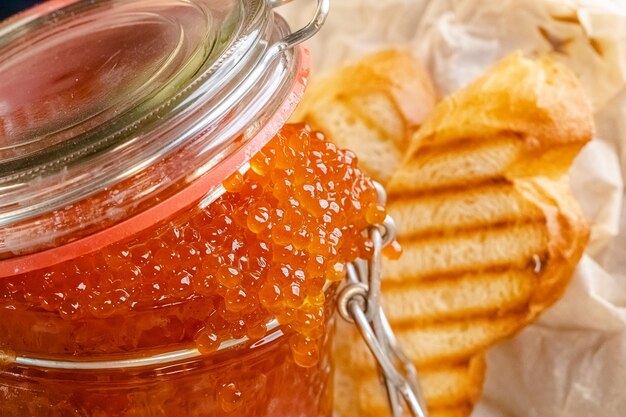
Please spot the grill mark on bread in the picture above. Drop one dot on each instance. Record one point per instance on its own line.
(411, 326)
(474, 364)
(444, 342)
(355, 113)
(443, 387)
(443, 192)
(469, 295)
(470, 229)
(359, 108)
(462, 232)
(471, 362)
(484, 205)
(476, 163)
(531, 265)
(473, 251)
(431, 145)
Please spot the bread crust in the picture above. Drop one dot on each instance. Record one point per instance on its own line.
(568, 233)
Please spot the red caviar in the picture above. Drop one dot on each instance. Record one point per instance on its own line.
(263, 250)
(393, 251)
(269, 248)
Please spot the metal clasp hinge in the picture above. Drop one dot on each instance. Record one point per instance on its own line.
(301, 35)
(359, 303)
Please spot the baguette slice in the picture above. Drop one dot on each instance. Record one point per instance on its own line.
(450, 389)
(490, 231)
(373, 106)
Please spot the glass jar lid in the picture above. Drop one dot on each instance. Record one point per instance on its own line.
(126, 103)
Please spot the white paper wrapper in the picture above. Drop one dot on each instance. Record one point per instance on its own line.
(572, 362)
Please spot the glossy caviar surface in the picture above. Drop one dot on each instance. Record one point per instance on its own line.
(264, 249)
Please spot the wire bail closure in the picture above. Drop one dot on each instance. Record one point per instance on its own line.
(295, 38)
(359, 303)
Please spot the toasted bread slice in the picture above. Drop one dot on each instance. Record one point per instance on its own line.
(447, 386)
(490, 231)
(450, 388)
(373, 106)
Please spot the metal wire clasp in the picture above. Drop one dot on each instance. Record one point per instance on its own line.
(301, 35)
(359, 303)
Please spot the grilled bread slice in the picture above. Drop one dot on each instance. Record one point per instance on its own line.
(373, 106)
(490, 231)
(450, 388)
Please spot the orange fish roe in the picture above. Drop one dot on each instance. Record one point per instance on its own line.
(265, 249)
(393, 251)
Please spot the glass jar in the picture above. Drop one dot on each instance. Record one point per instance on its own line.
(168, 246)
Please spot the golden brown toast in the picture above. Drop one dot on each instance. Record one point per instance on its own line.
(450, 388)
(447, 388)
(490, 231)
(373, 106)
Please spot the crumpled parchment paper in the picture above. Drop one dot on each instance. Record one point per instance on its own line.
(572, 361)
